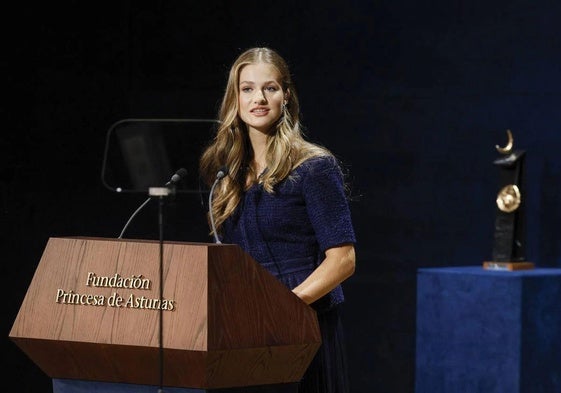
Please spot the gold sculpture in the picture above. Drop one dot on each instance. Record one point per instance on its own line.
(508, 148)
(509, 198)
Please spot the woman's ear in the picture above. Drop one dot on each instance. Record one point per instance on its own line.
(286, 96)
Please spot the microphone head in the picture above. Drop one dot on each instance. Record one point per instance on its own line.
(223, 171)
(177, 176)
(181, 172)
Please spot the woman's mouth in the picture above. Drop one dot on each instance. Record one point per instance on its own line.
(260, 111)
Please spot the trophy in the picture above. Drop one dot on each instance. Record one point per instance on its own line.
(509, 237)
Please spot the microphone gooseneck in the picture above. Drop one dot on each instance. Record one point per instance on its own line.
(222, 172)
(132, 216)
(177, 176)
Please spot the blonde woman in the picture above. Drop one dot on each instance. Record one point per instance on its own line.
(283, 200)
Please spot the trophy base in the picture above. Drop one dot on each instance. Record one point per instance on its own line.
(510, 266)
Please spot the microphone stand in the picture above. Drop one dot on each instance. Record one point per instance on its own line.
(161, 193)
(219, 176)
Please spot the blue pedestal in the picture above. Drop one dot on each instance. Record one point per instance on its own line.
(488, 331)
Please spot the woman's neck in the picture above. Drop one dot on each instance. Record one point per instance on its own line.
(259, 145)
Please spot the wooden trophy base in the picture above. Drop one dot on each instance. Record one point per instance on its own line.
(508, 266)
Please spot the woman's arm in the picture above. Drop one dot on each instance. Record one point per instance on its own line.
(338, 265)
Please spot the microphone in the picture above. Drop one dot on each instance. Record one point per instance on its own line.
(222, 172)
(177, 176)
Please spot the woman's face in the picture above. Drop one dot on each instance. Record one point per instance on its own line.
(260, 96)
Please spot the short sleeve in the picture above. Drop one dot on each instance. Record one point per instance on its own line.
(326, 202)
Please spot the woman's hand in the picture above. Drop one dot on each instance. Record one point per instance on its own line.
(338, 265)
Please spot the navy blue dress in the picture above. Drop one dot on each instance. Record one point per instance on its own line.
(287, 232)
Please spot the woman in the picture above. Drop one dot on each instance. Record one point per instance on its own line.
(283, 200)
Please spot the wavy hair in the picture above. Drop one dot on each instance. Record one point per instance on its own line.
(230, 147)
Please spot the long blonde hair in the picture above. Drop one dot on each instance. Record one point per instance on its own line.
(286, 146)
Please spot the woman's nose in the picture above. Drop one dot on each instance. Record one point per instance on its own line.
(259, 96)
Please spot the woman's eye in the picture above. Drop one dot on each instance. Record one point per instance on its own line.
(246, 89)
(272, 88)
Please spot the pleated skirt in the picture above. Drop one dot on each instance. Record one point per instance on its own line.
(328, 372)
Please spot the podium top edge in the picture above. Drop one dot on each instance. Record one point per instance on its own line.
(149, 241)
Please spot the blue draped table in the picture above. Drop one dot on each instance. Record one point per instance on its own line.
(488, 331)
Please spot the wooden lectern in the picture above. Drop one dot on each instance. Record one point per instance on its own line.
(92, 313)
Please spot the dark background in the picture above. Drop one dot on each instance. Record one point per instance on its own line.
(412, 95)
